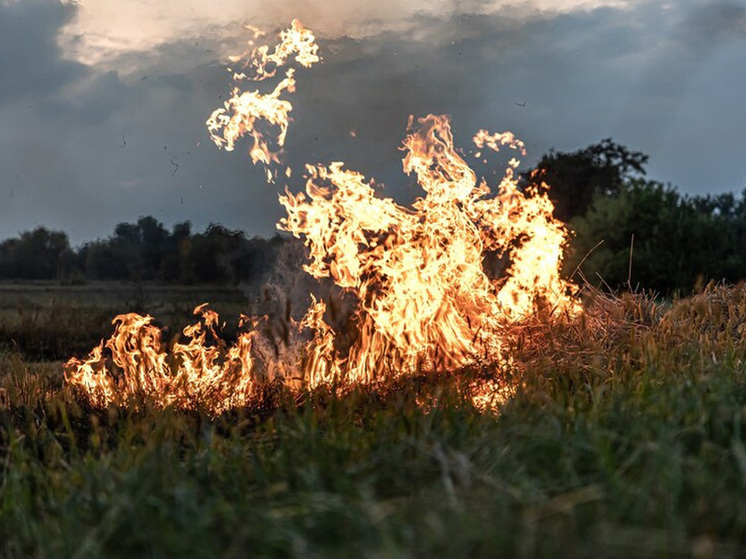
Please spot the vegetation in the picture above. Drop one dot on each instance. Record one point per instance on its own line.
(630, 232)
(627, 232)
(141, 251)
(45, 321)
(626, 438)
(576, 178)
(659, 239)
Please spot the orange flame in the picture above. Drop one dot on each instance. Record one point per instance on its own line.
(425, 299)
(194, 375)
(244, 110)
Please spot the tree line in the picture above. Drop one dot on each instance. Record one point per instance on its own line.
(140, 251)
(630, 232)
(627, 232)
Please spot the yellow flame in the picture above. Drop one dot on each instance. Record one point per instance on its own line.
(241, 113)
(419, 274)
(195, 375)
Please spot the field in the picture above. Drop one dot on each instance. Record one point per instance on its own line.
(626, 437)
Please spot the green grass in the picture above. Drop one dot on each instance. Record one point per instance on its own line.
(626, 438)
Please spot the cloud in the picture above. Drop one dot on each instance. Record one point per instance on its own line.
(31, 63)
(112, 141)
(109, 28)
(690, 39)
(583, 74)
(712, 22)
(479, 69)
(675, 95)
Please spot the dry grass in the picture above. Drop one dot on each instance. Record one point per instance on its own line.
(46, 321)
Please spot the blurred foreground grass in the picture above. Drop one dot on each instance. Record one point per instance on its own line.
(626, 438)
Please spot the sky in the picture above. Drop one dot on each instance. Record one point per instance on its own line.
(103, 102)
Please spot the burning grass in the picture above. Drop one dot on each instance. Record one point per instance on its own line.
(624, 438)
(423, 299)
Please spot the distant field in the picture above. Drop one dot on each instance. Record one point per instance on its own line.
(626, 437)
(123, 295)
(45, 320)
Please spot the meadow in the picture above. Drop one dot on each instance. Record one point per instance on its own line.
(626, 437)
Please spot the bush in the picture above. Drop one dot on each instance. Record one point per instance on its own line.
(676, 243)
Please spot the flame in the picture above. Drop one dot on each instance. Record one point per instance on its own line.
(490, 396)
(194, 375)
(419, 274)
(241, 114)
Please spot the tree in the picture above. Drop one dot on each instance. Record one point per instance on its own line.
(575, 178)
(213, 255)
(153, 246)
(679, 242)
(141, 251)
(40, 254)
(104, 260)
(142, 245)
(173, 267)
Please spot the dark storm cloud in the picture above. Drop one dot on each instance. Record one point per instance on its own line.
(99, 146)
(714, 22)
(132, 143)
(691, 40)
(30, 61)
(479, 69)
(91, 103)
(665, 81)
(683, 96)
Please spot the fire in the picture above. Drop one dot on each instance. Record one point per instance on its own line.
(242, 113)
(194, 375)
(425, 299)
